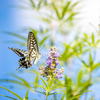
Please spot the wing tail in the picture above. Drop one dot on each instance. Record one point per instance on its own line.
(19, 52)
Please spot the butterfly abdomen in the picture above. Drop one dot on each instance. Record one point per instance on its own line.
(24, 62)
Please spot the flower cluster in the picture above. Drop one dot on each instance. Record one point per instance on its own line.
(52, 62)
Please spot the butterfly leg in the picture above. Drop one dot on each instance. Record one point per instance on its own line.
(18, 67)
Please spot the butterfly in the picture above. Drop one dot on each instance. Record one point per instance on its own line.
(30, 56)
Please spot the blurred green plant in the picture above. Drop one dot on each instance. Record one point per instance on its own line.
(60, 18)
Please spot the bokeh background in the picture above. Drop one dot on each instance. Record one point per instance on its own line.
(18, 16)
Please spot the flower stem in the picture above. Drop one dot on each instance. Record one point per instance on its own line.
(46, 95)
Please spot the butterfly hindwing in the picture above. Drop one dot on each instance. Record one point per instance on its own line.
(19, 52)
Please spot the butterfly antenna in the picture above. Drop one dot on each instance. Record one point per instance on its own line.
(42, 47)
(44, 61)
(44, 56)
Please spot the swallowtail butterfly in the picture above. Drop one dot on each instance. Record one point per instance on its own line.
(28, 56)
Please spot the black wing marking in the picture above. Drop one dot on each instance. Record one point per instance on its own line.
(19, 52)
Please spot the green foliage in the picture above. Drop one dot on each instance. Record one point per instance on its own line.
(59, 21)
(12, 93)
(26, 96)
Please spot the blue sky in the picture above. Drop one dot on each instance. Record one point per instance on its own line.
(8, 60)
(11, 20)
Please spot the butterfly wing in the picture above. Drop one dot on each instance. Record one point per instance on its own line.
(19, 52)
(32, 43)
(32, 47)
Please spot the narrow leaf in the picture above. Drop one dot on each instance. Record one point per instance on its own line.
(43, 40)
(16, 42)
(39, 86)
(79, 78)
(92, 38)
(26, 96)
(56, 10)
(78, 95)
(16, 35)
(44, 82)
(36, 81)
(95, 66)
(65, 9)
(42, 92)
(63, 97)
(12, 81)
(32, 3)
(25, 82)
(39, 4)
(84, 63)
(90, 58)
(8, 97)
(12, 93)
(51, 81)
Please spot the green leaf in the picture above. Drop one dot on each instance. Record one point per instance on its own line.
(45, 19)
(84, 63)
(63, 97)
(12, 81)
(8, 97)
(16, 35)
(92, 38)
(56, 10)
(90, 59)
(51, 82)
(80, 47)
(95, 66)
(36, 81)
(16, 42)
(85, 40)
(33, 30)
(97, 42)
(57, 85)
(39, 4)
(44, 82)
(25, 82)
(39, 86)
(65, 9)
(32, 3)
(79, 78)
(86, 36)
(12, 93)
(75, 4)
(78, 95)
(70, 18)
(43, 40)
(53, 93)
(26, 96)
(42, 92)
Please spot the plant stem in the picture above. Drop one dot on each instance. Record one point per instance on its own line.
(88, 84)
(52, 33)
(46, 95)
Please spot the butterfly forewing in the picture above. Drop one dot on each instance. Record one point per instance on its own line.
(32, 43)
(32, 46)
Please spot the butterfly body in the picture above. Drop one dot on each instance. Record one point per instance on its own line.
(24, 63)
(28, 56)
